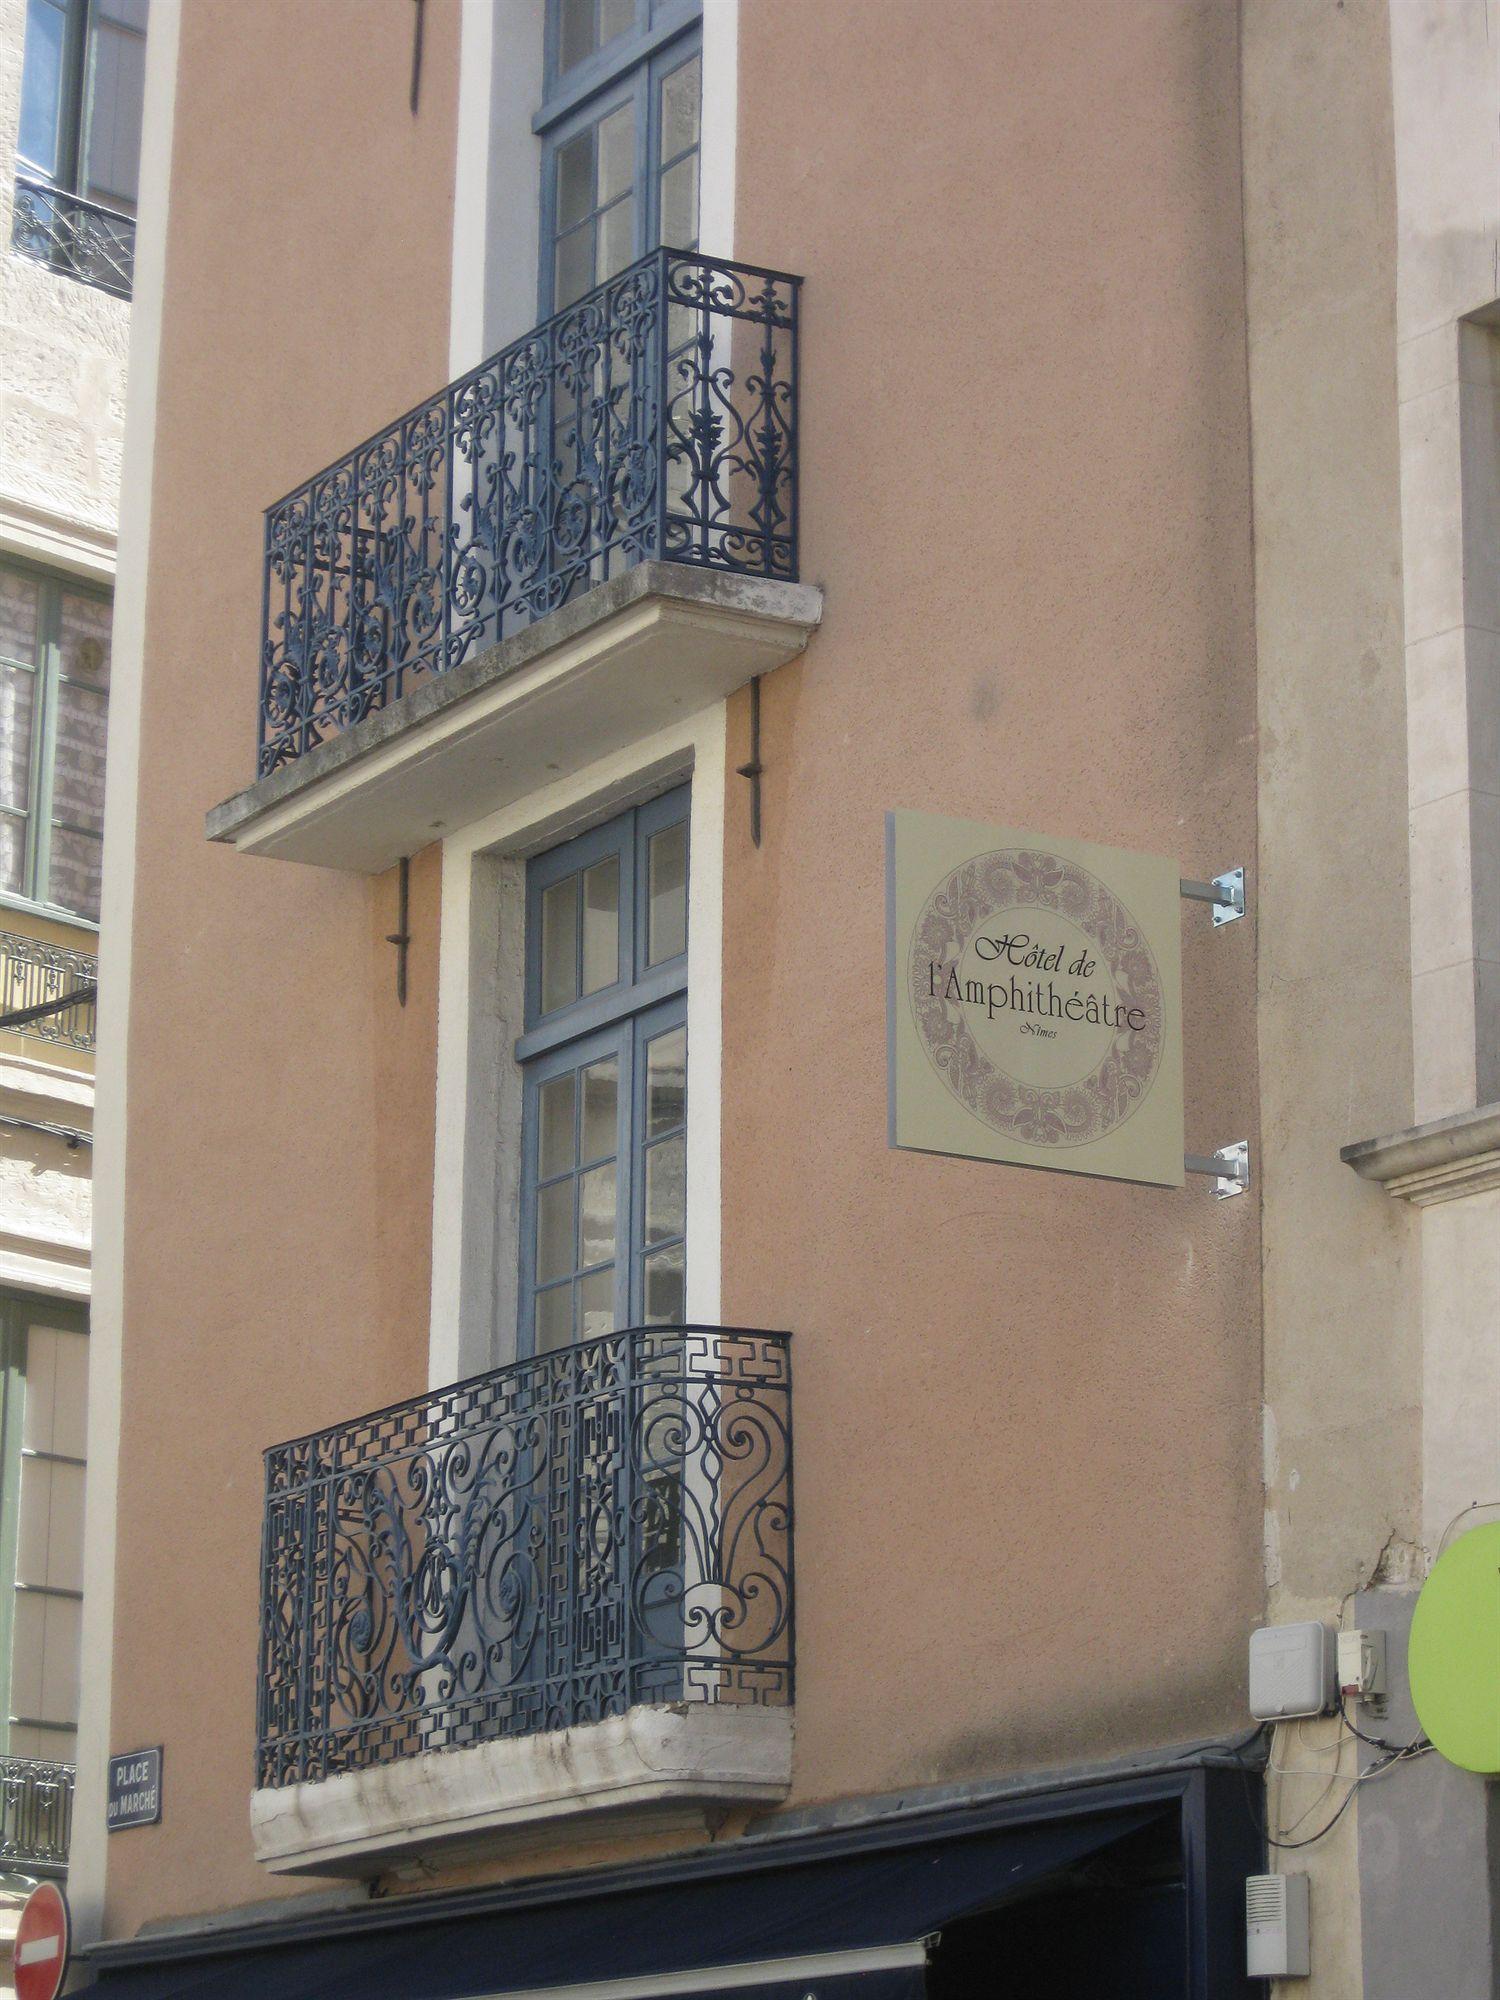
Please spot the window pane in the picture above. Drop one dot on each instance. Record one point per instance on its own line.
(616, 154)
(616, 18)
(601, 1109)
(667, 891)
(12, 854)
(679, 205)
(666, 1082)
(17, 695)
(19, 599)
(112, 138)
(680, 96)
(575, 180)
(78, 763)
(596, 1304)
(601, 924)
(575, 38)
(665, 1287)
(41, 86)
(554, 1231)
(85, 638)
(666, 1207)
(596, 1217)
(616, 238)
(573, 266)
(560, 944)
(554, 1318)
(555, 1127)
(74, 882)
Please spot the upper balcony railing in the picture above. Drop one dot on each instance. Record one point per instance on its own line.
(36, 1814)
(48, 991)
(657, 417)
(81, 238)
(602, 1528)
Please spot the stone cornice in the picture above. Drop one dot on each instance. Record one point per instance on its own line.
(1441, 1161)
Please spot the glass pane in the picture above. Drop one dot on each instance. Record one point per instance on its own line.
(112, 141)
(596, 1304)
(666, 1208)
(681, 93)
(41, 86)
(19, 599)
(666, 1082)
(555, 1127)
(601, 924)
(12, 854)
(575, 32)
(74, 878)
(616, 18)
(596, 1217)
(78, 760)
(616, 238)
(616, 154)
(560, 944)
(667, 890)
(665, 1287)
(575, 180)
(573, 266)
(554, 1318)
(554, 1231)
(17, 693)
(85, 638)
(601, 1102)
(679, 205)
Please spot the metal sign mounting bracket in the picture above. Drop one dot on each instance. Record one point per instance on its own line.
(1226, 892)
(1230, 1168)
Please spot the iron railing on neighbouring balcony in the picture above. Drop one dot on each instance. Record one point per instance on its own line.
(602, 1528)
(48, 991)
(657, 417)
(81, 238)
(36, 1814)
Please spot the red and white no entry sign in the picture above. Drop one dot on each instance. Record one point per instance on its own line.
(42, 1944)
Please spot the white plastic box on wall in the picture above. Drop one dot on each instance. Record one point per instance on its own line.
(1291, 1671)
(1277, 1941)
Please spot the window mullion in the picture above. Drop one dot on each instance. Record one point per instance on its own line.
(43, 740)
(74, 82)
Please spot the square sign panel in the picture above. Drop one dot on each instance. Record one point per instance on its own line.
(1034, 1000)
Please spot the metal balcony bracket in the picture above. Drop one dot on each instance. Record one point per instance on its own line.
(1226, 892)
(400, 937)
(1230, 1168)
(753, 769)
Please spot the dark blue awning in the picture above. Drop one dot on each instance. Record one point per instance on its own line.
(825, 1926)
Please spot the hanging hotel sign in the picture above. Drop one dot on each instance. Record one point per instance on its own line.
(1034, 1000)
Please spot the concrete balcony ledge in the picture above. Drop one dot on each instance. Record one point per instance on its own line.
(1440, 1161)
(656, 1766)
(631, 656)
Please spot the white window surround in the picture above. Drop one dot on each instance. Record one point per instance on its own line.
(481, 959)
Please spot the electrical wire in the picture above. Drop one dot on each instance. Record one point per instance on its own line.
(1408, 1753)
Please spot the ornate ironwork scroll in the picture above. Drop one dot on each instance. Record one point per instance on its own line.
(602, 1528)
(78, 237)
(36, 1813)
(657, 417)
(33, 972)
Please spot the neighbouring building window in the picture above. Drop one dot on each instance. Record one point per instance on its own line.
(54, 708)
(43, 1413)
(604, 1124)
(79, 144)
(620, 128)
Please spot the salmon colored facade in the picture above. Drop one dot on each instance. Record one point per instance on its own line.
(1036, 1512)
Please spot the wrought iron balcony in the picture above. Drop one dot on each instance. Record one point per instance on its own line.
(79, 237)
(565, 1540)
(654, 419)
(48, 991)
(36, 1814)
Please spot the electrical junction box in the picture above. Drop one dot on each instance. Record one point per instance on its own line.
(1277, 1945)
(1361, 1665)
(1291, 1671)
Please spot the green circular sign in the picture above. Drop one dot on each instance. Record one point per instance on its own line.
(1453, 1656)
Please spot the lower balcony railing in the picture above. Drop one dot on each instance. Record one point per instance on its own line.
(48, 991)
(79, 237)
(36, 1814)
(558, 1543)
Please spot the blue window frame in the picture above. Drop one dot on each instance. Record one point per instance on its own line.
(604, 1061)
(82, 83)
(620, 127)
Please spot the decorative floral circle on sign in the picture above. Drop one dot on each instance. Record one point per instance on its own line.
(959, 908)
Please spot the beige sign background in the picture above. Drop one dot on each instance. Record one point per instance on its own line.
(1034, 1000)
